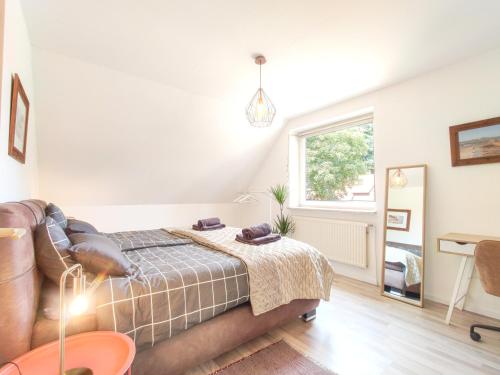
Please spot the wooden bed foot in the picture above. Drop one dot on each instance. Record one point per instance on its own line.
(308, 316)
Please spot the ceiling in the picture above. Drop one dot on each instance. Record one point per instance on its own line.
(187, 68)
(318, 51)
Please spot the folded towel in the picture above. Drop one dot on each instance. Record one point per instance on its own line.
(256, 231)
(208, 222)
(211, 227)
(260, 240)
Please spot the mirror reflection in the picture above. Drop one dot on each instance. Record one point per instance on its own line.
(404, 233)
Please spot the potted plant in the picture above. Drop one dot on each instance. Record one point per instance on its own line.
(283, 224)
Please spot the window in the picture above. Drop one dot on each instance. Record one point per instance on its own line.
(335, 165)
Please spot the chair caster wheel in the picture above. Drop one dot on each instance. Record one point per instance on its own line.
(475, 336)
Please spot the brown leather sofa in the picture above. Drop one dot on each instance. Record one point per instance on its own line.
(23, 327)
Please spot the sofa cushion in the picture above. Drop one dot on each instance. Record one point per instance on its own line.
(99, 255)
(51, 250)
(56, 213)
(79, 226)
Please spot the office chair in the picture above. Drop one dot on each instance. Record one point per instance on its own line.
(488, 266)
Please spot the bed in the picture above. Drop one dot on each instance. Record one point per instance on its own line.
(167, 343)
(403, 267)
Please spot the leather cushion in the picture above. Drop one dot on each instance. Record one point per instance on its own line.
(51, 250)
(98, 254)
(488, 265)
(49, 301)
(79, 226)
(19, 279)
(56, 213)
(46, 330)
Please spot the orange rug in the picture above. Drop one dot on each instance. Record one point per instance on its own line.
(278, 359)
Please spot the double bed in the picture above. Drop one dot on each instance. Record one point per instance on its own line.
(193, 297)
(403, 268)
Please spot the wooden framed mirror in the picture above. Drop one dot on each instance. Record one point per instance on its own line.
(404, 233)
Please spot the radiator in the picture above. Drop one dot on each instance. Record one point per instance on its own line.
(341, 241)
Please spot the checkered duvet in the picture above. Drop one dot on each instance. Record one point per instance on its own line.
(180, 284)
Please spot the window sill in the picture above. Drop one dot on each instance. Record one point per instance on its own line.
(335, 209)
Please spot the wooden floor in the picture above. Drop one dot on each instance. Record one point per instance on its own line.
(361, 332)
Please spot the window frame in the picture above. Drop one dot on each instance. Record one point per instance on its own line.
(297, 164)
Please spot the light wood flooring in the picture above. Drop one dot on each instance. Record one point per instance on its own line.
(361, 332)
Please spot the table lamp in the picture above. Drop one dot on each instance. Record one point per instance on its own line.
(78, 306)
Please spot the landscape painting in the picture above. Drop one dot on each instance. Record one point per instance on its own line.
(18, 130)
(398, 219)
(476, 143)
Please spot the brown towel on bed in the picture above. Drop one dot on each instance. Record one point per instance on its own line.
(211, 227)
(273, 237)
(256, 231)
(208, 222)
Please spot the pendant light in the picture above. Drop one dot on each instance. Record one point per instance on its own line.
(260, 111)
(398, 179)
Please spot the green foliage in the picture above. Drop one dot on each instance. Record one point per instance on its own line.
(280, 193)
(283, 224)
(336, 160)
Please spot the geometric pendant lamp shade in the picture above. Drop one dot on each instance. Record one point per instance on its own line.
(398, 180)
(260, 111)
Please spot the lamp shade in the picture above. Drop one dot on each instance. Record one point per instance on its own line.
(398, 179)
(260, 110)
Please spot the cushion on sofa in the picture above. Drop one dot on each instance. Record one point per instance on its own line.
(79, 226)
(99, 254)
(51, 250)
(56, 213)
(49, 301)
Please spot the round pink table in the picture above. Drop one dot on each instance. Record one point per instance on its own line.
(105, 353)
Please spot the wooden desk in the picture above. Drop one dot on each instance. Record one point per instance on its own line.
(464, 245)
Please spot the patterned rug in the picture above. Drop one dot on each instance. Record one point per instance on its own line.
(276, 359)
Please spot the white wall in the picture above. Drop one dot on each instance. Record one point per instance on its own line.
(111, 138)
(408, 198)
(411, 127)
(127, 217)
(17, 181)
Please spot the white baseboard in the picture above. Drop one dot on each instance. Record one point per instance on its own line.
(477, 310)
(355, 273)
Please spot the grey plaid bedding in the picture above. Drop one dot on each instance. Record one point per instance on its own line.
(139, 239)
(179, 285)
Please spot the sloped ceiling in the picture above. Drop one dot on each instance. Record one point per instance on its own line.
(319, 52)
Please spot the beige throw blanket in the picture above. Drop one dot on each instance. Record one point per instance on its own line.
(412, 263)
(279, 272)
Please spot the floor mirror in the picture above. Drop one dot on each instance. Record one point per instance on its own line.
(404, 234)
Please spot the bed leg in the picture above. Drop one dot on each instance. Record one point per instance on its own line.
(308, 316)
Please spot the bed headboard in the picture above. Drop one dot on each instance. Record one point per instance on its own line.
(19, 279)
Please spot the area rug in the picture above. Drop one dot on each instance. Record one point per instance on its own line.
(279, 359)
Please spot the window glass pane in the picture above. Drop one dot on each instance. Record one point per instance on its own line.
(339, 165)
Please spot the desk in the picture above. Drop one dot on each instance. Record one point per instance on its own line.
(465, 246)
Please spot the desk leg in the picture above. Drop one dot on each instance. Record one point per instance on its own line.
(456, 288)
(469, 269)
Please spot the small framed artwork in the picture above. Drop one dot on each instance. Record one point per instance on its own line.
(475, 142)
(398, 219)
(18, 130)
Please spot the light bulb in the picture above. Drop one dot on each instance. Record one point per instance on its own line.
(79, 305)
(261, 109)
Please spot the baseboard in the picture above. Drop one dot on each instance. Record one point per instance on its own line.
(364, 278)
(491, 313)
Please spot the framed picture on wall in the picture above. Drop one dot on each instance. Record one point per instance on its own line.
(475, 142)
(18, 130)
(398, 219)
